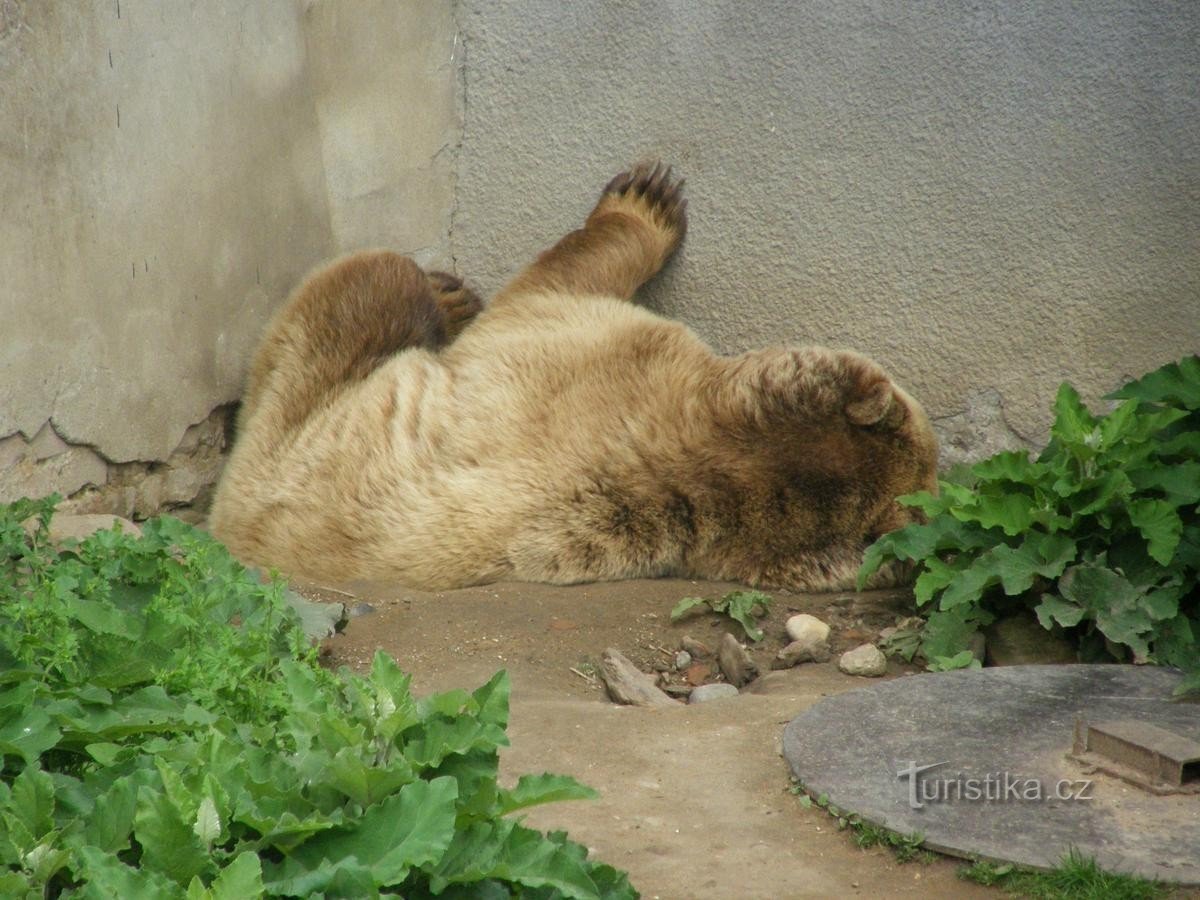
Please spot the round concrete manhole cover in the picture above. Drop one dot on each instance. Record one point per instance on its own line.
(980, 763)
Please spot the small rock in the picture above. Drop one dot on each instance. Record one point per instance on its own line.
(698, 649)
(866, 659)
(683, 659)
(886, 633)
(801, 651)
(362, 608)
(697, 673)
(1021, 640)
(76, 528)
(627, 685)
(734, 661)
(803, 627)
(678, 690)
(707, 692)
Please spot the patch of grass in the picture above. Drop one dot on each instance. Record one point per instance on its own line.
(1077, 877)
(905, 847)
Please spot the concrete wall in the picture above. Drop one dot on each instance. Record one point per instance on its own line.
(987, 197)
(169, 170)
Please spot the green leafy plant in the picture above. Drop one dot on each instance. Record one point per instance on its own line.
(1099, 535)
(741, 606)
(1076, 877)
(166, 731)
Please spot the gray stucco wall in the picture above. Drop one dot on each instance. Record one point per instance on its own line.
(989, 198)
(169, 172)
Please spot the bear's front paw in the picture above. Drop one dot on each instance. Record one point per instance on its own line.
(457, 302)
(648, 191)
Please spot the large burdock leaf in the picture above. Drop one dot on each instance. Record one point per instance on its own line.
(411, 828)
(1160, 525)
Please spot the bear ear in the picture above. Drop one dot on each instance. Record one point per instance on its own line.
(879, 405)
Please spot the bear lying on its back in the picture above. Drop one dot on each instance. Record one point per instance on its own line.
(395, 428)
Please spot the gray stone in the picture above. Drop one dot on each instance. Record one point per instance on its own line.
(76, 528)
(1016, 721)
(866, 659)
(627, 684)
(801, 651)
(698, 649)
(1021, 640)
(735, 661)
(683, 659)
(803, 627)
(706, 692)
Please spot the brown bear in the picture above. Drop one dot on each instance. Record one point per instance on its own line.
(394, 427)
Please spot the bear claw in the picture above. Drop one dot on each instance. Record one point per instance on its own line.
(654, 184)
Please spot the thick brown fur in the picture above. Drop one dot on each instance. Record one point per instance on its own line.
(395, 428)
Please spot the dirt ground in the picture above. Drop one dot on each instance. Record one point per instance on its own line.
(695, 801)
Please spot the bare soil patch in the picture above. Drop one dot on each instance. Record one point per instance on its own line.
(695, 801)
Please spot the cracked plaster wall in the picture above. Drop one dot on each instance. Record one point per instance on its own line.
(169, 172)
(988, 198)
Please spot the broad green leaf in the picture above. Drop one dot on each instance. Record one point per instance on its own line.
(964, 659)
(240, 880)
(1073, 424)
(510, 852)
(684, 605)
(105, 877)
(493, 700)
(1176, 643)
(740, 606)
(99, 618)
(1160, 525)
(947, 632)
(169, 845)
(1094, 494)
(364, 783)
(111, 823)
(1113, 601)
(411, 828)
(1118, 425)
(32, 800)
(1179, 482)
(1014, 513)
(345, 877)
(1175, 383)
(938, 575)
(208, 822)
(532, 790)
(46, 859)
(28, 734)
(1055, 610)
(1010, 465)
